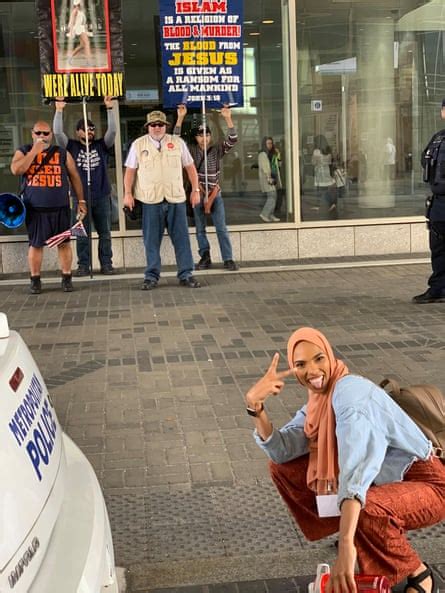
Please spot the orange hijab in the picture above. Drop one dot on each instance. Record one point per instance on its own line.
(319, 427)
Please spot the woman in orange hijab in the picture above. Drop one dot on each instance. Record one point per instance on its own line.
(350, 461)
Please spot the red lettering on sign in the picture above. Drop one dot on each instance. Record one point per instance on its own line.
(176, 32)
(195, 7)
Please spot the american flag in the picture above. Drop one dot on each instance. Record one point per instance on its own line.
(77, 230)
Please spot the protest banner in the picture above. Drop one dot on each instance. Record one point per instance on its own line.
(202, 52)
(81, 51)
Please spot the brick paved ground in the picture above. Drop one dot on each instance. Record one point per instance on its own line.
(150, 385)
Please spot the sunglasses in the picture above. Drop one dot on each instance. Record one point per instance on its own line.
(40, 133)
(158, 125)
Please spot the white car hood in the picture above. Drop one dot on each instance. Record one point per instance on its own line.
(30, 445)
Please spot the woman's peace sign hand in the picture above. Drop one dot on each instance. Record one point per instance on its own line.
(270, 384)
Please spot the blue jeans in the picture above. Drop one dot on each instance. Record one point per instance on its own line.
(219, 220)
(101, 216)
(155, 219)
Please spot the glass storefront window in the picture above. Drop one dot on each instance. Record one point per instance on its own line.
(370, 85)
(265, 110)
(19, 76)
(263, 113)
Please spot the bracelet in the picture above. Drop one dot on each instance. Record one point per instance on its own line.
(197, 189)
(82, 201)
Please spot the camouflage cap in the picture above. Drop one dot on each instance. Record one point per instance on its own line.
(156, 117)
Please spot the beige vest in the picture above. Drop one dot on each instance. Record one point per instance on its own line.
(159, 174)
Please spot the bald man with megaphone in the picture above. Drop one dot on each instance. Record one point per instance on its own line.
(47, 172)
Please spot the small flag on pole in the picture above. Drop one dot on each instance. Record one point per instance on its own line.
(77, 230)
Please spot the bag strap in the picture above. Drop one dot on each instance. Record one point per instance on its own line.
(202, 158)
(200, 165)
(202, 161)
(390, 386)
(438, 452)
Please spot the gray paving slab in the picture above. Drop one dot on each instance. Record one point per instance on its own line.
(150, 386)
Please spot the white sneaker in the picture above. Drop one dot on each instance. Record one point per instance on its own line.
(274, 218)
(264, 218)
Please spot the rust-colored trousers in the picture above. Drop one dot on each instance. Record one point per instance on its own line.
(390, 511)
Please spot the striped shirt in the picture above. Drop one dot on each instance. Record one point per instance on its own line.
(214, 155)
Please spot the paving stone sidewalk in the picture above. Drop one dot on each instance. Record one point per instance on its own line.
(150, 385)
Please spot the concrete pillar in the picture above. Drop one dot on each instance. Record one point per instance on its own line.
(376, 107)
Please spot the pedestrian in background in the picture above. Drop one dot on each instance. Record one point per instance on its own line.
(269, 177)
(389, 160)
(323, 168)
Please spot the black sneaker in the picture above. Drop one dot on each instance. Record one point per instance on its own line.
(82, 271)
(149, 284)
(429, 297)
(108, 270)
(67, 283)
(205, 262)
(230, 265)
(190, 282)
(36, 285)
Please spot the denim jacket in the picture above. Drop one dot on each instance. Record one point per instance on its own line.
(377, 441)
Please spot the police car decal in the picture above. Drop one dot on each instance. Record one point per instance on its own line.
(34, 427)
(23, 562)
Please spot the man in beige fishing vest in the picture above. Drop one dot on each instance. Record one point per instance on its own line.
(153, 175)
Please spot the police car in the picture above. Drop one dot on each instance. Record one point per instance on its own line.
(54, 532)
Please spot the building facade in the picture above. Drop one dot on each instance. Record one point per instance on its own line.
(349, 90)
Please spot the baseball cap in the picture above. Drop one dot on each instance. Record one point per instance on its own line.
(155, 117)
(81, 124)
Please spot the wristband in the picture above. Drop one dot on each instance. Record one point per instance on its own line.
(82, 201)
(109, 108)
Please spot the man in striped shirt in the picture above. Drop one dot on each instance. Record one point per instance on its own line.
(202, 141)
